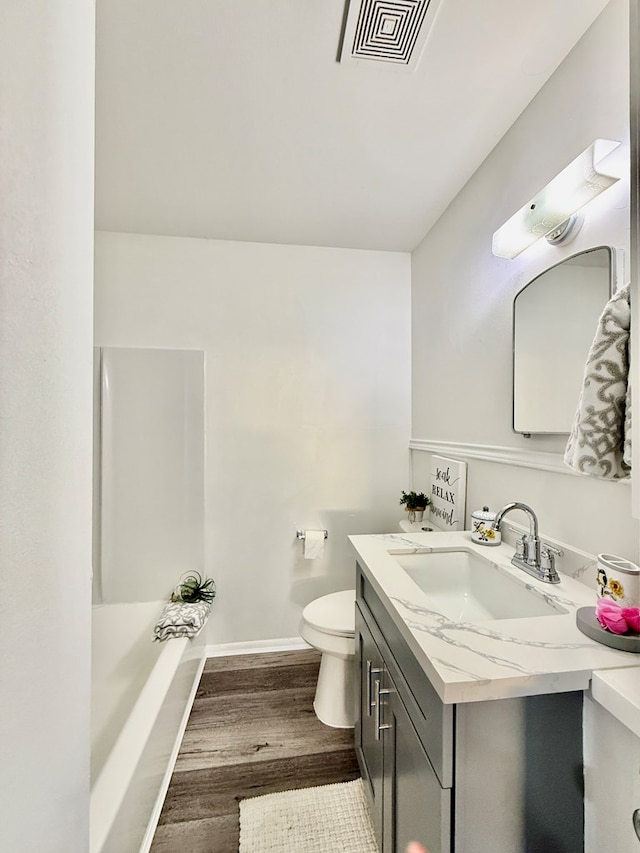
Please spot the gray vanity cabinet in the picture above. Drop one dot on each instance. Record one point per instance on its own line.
(369, 743)
(500, 776)
(407, 801)
(415, 806)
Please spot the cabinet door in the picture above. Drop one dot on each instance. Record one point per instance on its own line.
(416, 807)
(369, 744)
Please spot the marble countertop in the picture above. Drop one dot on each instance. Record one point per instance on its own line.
(618, 690)
(476, 661)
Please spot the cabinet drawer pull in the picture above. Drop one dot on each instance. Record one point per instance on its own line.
(371, 671)
(378, 692)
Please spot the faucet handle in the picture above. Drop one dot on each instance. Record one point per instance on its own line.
(546, 549)
(520, 546)
(548, 556)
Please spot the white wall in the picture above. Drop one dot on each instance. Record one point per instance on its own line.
(307, 402)
(46, 238)
(612, 781)
(463, 295)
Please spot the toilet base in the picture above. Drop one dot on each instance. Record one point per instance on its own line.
(334, 701)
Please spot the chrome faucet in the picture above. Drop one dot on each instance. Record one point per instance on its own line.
(534, 557)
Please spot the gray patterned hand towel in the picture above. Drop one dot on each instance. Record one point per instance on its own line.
(600, 440)
(181, 619)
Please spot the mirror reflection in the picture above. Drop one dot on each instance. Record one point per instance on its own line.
(554, 321)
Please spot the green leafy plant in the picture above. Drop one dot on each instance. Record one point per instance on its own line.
(193, 588)
(414, 500)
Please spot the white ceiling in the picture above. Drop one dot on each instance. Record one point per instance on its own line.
(232, 119)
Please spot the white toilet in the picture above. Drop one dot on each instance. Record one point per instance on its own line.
(328, 624)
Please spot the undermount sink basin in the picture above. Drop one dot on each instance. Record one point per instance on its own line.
(466, 588)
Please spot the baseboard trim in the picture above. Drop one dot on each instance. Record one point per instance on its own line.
(252, 647)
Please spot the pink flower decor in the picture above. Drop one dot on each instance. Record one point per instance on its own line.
(632, 618)
(616, 618)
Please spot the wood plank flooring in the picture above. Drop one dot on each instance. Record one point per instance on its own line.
(252, 731)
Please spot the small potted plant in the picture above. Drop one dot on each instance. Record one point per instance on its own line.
(415, 504)
(194, 588)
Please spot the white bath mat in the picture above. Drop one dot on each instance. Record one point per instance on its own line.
(325, 819)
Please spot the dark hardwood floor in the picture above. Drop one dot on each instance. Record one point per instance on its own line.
(252, 731)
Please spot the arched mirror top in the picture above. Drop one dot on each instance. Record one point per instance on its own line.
(554, 321)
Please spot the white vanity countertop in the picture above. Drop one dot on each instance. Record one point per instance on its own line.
(472, 662)
(618, 690)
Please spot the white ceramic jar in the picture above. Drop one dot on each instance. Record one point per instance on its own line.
(482, 530)
(618, 580)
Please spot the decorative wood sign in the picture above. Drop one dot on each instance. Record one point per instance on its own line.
(448, 493)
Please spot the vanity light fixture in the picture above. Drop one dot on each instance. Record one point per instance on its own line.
(552, 213)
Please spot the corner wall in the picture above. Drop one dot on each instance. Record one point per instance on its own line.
(462, 295)
(307, 364)
(46, 304)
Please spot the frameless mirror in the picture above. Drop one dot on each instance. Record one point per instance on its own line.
(554, 322)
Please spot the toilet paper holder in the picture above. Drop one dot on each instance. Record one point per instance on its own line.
(300, 534)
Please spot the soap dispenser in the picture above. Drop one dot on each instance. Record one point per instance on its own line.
(482, 530)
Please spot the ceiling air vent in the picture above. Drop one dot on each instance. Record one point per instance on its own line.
(389, 31)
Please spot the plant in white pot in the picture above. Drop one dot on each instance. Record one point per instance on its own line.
(415, 504)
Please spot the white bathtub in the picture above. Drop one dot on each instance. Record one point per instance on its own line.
(142, 693)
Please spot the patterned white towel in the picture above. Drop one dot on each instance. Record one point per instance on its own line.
(181, 619)
(600, 440)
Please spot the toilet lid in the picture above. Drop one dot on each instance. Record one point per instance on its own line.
(334, 613)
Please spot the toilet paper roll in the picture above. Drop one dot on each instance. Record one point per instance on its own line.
(313, 544)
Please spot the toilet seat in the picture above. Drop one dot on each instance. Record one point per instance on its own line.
(333, 614)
